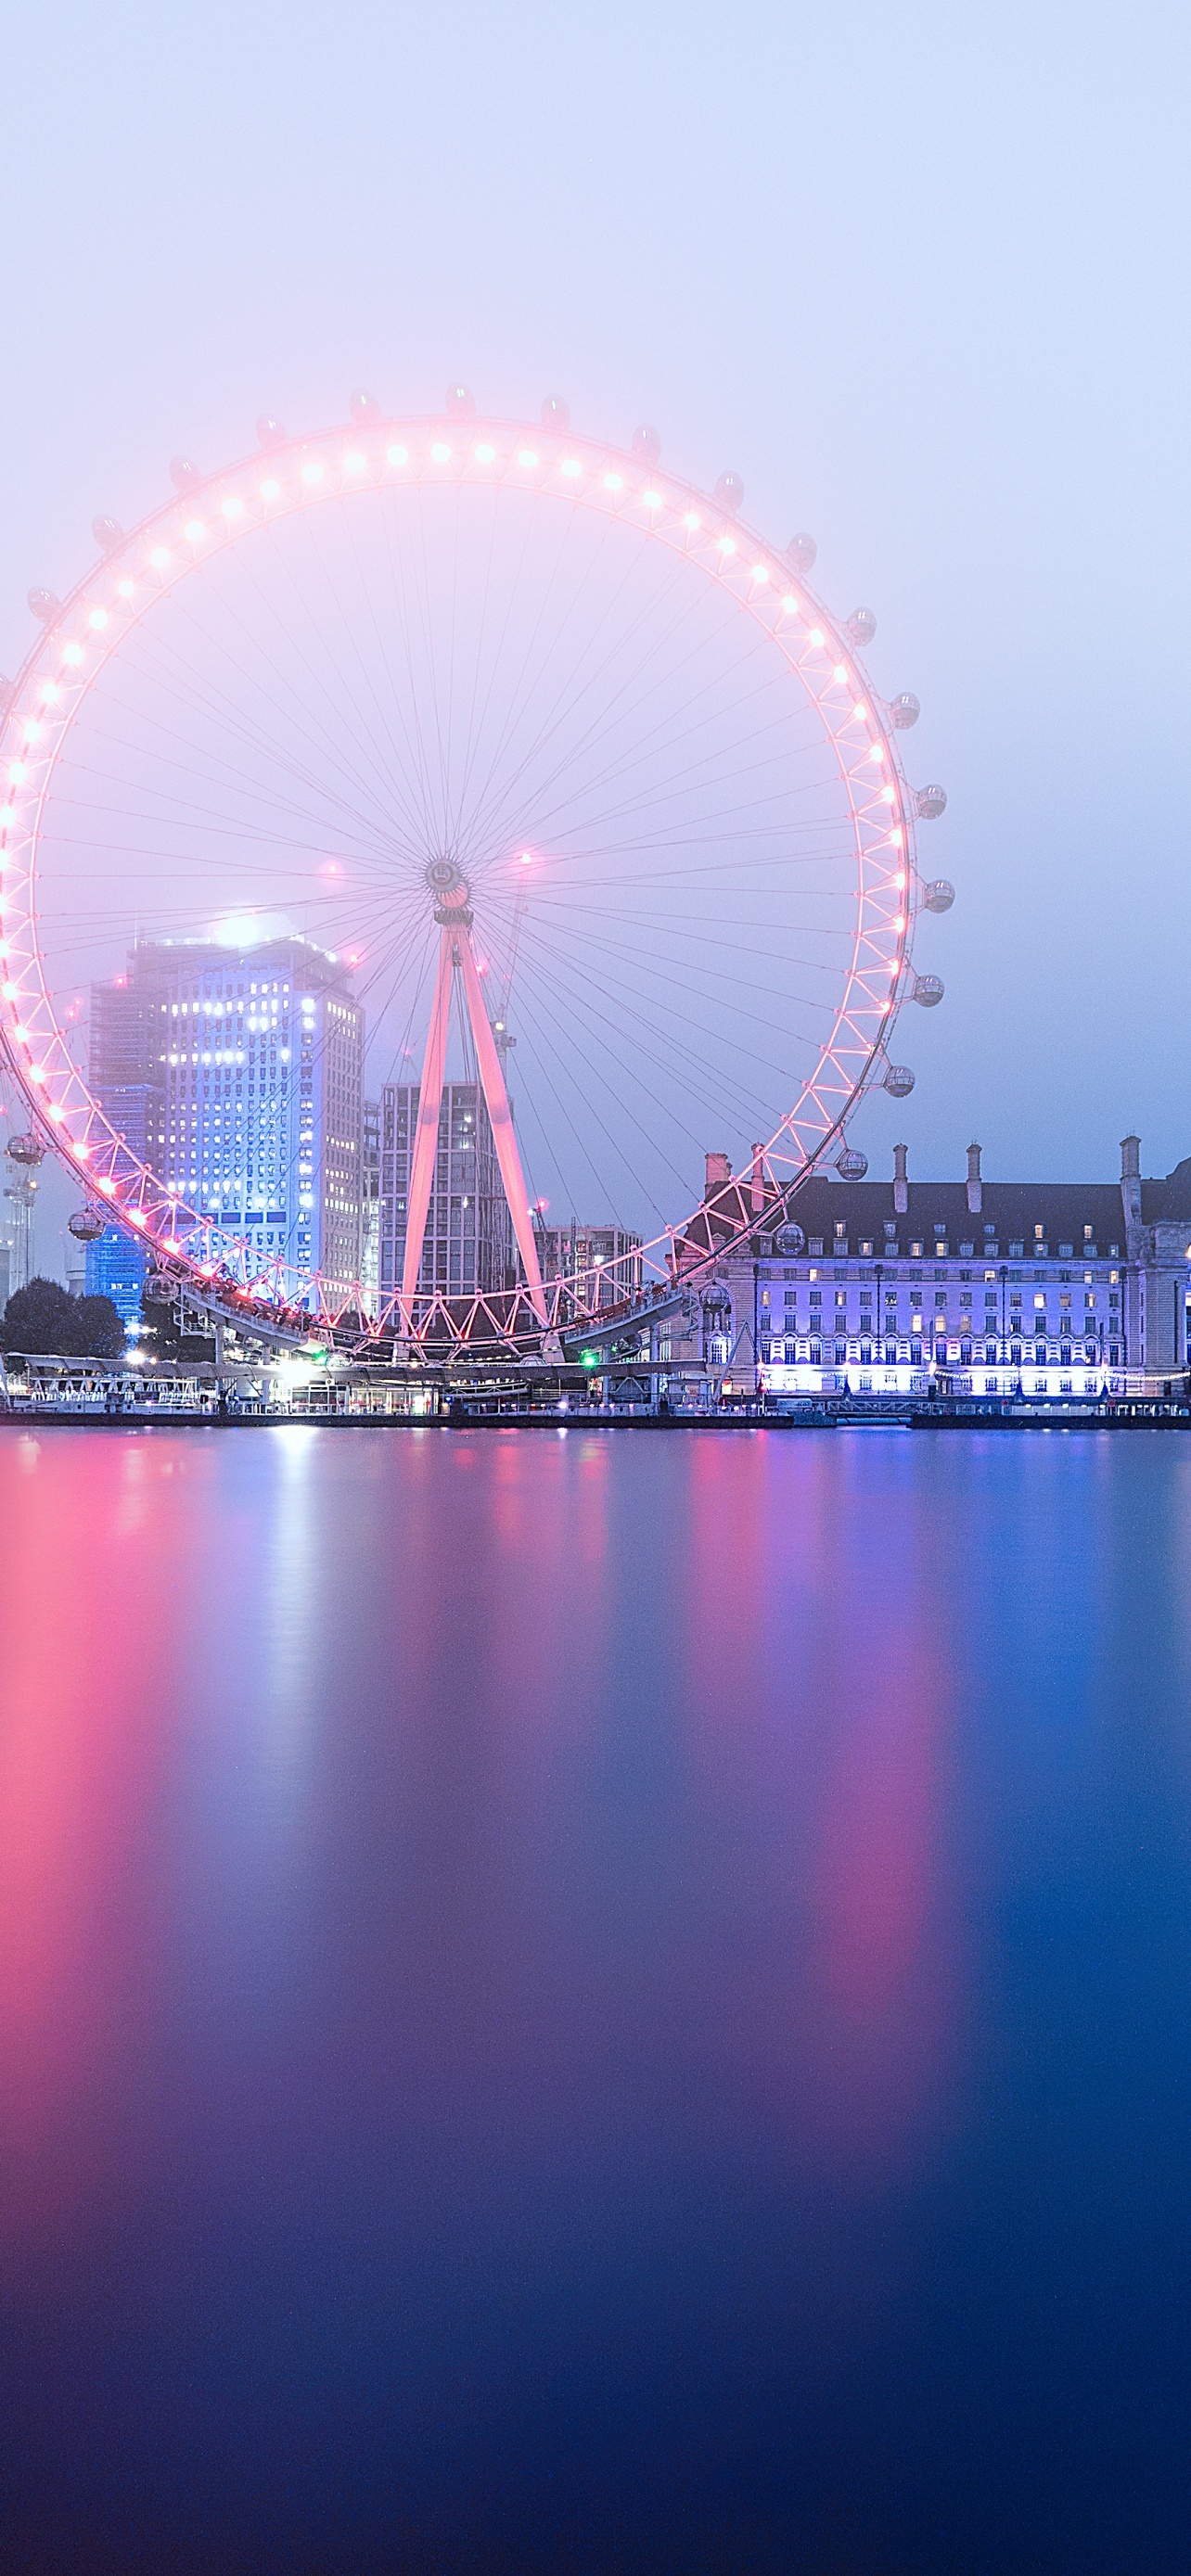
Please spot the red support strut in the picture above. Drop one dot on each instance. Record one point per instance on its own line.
(455, 949)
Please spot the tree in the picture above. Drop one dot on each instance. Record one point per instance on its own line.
(159, 1317)
(43, 1319)
(100, 1328)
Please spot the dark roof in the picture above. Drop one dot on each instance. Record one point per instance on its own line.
(1169, 1199)
(1009, 1213)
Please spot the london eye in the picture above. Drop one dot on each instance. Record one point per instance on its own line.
(561, 778)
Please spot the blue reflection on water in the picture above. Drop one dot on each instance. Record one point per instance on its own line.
(611, 2001)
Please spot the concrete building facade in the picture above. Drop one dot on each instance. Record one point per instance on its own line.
(370, 1209)
(468, 1245)
(239, 1076)
(608, 1251)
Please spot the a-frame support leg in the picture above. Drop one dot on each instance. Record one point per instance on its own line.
(501, 1120)
(421, 1179)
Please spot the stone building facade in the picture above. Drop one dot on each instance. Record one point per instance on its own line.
(992, 1287)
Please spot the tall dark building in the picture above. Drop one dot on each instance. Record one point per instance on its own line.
(125, 1058)
(370, 1208)
(468, 1244)
(126, 1069)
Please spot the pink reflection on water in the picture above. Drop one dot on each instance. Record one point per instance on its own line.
(821, 1701)
(546, 1786)
(79, 1743)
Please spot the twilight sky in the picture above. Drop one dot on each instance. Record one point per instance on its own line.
(918, 274)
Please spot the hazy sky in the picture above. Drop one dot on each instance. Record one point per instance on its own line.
(918, 273)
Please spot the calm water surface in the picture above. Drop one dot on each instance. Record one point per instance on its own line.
(595, 2001)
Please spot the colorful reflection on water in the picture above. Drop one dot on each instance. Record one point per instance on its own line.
(593, 1999)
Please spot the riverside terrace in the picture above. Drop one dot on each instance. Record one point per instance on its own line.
(997, 1288)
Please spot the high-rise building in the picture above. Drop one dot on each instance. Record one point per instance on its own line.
(20, 1201)
(126, 1077)
(468, 1244)
(370, 1209)
(605, 1257)
(116, 1267)
(239, 1076)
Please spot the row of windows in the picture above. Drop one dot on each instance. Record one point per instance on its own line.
(1019, 1319)
(869, 1247)
(1060, 1278)
(912, 1350)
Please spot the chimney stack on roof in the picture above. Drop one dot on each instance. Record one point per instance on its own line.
(901, 1187)
(717, 1170)
(757, 1192)
(1131, 1180)
(975, 1189)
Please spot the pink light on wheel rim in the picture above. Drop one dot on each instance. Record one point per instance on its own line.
(312, 474)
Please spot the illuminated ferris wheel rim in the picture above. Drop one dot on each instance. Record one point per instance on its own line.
(211, 513)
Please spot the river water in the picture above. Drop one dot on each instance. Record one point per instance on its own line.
(595, 2000)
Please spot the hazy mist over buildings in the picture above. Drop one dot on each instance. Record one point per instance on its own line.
(918, 275)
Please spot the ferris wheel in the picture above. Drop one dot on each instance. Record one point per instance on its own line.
(538, 747)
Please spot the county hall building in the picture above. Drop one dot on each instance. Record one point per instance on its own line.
(1046, 1288)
